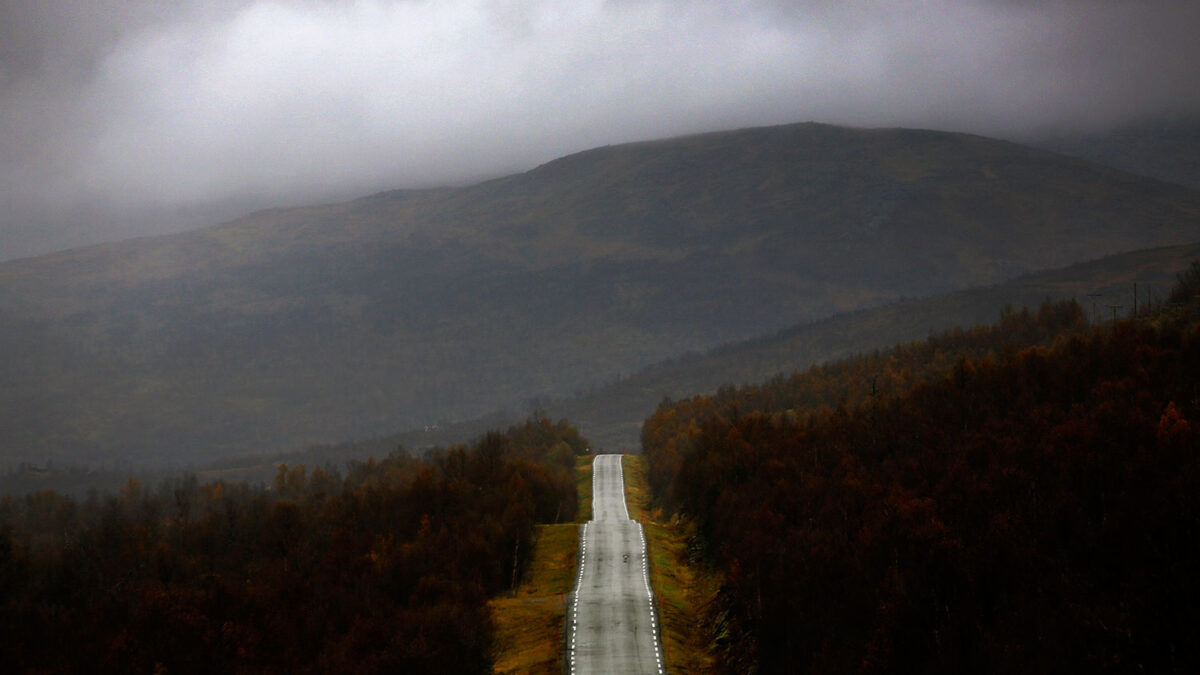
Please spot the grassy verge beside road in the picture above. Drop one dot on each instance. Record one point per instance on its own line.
(682, 591)
(529, 621)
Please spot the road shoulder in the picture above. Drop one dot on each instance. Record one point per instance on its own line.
(683, 592)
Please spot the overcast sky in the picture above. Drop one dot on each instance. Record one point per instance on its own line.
(121, 117)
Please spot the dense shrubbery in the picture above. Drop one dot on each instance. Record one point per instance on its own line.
(385, 568)
(1030, 510)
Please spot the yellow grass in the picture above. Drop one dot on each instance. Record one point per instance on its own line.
(682, 592)
(529, 621)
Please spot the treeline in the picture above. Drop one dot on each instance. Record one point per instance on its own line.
(817, 392)
(385, 568)
(1033, 509)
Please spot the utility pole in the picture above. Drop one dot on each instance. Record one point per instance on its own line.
(1135, 298)
(1114, 309)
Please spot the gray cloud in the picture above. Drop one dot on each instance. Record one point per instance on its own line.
(137, 112)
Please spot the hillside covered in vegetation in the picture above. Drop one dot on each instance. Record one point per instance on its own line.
(387, 567)
(295, 327)
(1018, 498)
(611, 415)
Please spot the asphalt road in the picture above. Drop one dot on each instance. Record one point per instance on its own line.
(612, 626)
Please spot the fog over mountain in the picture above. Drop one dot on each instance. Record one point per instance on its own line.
(132, 117)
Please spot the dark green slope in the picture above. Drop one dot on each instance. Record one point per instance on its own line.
(612, 415)
(912, 210)
(348, 320)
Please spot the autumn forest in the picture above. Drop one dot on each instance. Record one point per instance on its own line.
(386, 567)
(1017, 498)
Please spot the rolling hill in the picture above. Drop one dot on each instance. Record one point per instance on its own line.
(298, 326)
(611, 415)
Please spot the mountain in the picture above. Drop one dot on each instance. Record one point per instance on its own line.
(299, 326)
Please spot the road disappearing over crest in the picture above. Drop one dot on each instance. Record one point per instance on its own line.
(612, 625)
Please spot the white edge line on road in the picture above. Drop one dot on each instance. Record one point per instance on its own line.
(575, 601)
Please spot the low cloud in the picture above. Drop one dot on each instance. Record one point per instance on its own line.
(152, 108)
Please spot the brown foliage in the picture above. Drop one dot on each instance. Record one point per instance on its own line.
(1028, 510)
(386, 569)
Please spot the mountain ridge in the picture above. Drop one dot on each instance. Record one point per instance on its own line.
(298, 326)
